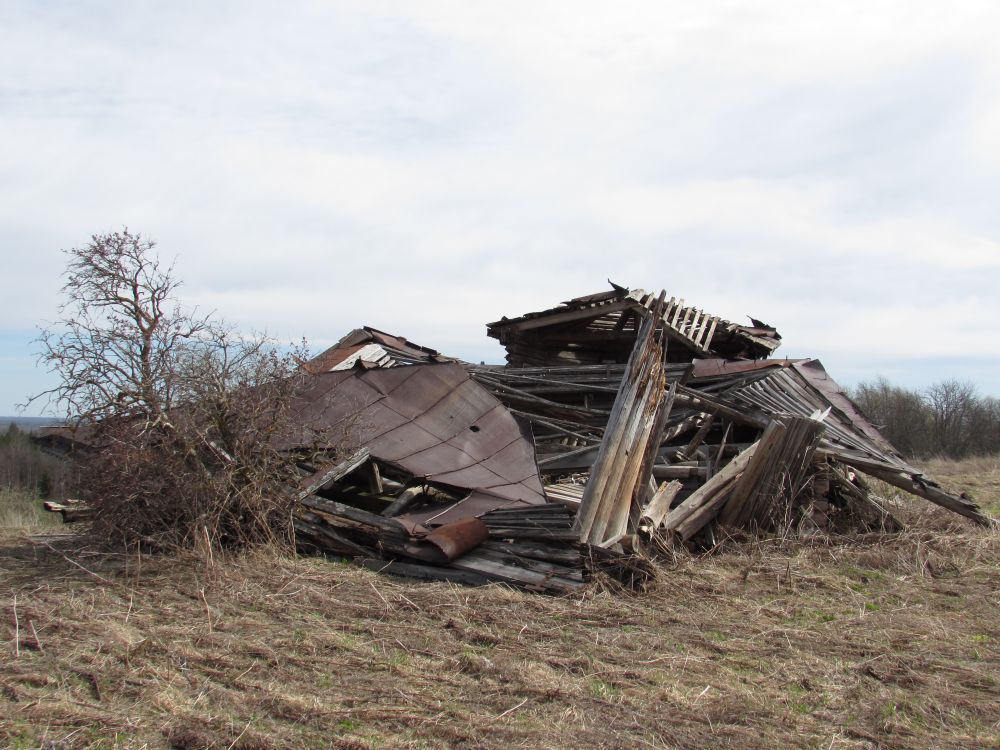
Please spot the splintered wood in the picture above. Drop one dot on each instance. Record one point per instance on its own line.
(620, 474)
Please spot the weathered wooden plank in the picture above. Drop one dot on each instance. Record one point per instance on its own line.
(537, 551)
(326, 538)
(423, 572)
(659, 505)
(325, 477)
(569, 316)
(533, 533)
(688, 450)
(712, 489)
(404, 500)
(497, 570)
(920, 487)
(355, 515)
(617, 453)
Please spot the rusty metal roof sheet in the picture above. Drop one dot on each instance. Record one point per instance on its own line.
(434, 422)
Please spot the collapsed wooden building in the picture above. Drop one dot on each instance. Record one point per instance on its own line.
(623, 422)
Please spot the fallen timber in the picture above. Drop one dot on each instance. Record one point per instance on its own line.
(720, 406)
(745, 449)
(623, 422)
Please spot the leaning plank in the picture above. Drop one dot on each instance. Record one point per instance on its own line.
(613, 517)
(756, 478)
(324, 477)
(765, 495)
(404, 500)
(617, 476)
(659, 505)
(644, 489)
(713, 493)
(921, 487)
(688, 450)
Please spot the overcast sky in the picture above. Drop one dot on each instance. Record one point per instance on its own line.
(427, 167)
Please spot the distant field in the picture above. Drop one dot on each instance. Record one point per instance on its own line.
(870, 642)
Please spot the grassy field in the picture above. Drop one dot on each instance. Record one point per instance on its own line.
(20, 509)
(873, 642)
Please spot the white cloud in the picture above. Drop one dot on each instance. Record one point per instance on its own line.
(427, 167)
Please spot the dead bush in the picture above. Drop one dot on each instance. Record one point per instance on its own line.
(177, 412)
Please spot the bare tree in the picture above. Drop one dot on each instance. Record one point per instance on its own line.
(119, 329)
(952, 405)
(900, 413)
(180, 414)
(948, 418)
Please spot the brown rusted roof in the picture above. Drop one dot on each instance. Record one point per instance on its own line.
(434, 422)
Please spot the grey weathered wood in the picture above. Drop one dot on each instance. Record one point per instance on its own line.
(352, 516)
(423, 572)
(375, 479)
(615, 476)
(713, 493)
(404, 500)
(561, 553)
(703, 402)
(326, 477)
(571, 315)
(920, 487)
(325, 537)
(688, 450)
(659, 505)
(484, 565)
(680, 472)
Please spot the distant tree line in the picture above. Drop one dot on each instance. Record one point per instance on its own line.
(23, 466)
(948, 418)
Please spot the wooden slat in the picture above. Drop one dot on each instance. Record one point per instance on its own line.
(324, 477)
(659, 505)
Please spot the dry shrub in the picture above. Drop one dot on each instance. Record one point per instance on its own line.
(209, 474)
(178, 411)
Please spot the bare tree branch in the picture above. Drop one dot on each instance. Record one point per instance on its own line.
(178, 410)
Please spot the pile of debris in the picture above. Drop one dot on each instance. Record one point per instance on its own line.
(622, 422)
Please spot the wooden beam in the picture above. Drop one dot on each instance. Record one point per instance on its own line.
(543, 321)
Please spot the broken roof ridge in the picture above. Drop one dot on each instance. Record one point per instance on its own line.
(600, 327)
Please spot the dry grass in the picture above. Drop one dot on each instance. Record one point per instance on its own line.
(863, 643)
(979, 477)
(20, 509)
